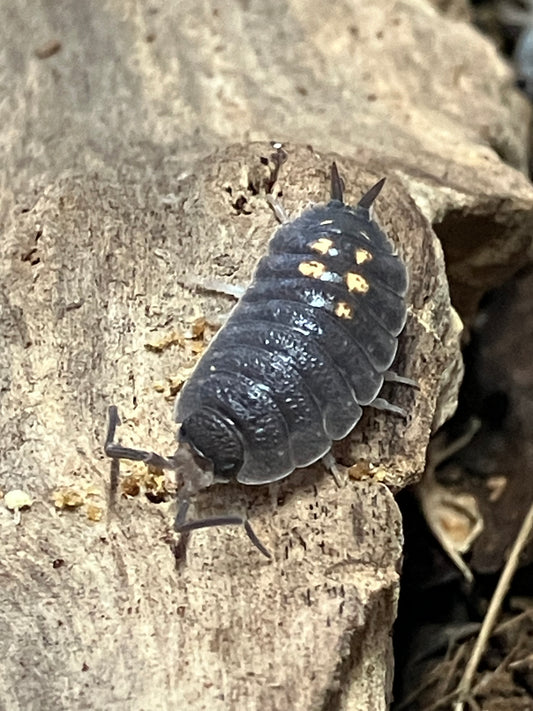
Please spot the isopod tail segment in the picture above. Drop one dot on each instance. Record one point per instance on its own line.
(337, 184)
(337, 189)
(369, 198)
(336, 192)
(196, 476)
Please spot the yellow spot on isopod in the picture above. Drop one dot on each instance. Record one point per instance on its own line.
(322, 245)
(343, 310)
(326, 222)
(355, 282)
(362, 255)
(312, 269)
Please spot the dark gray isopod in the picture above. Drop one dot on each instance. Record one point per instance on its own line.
(308, 344)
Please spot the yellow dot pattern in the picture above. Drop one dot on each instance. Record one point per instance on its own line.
(322, 245)
(312, 269)
(362, 255)
(356, 283)
(343, 310)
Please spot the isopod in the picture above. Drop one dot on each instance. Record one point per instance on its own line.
(308, 345)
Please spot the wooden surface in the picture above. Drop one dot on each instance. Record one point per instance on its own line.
(120, 147)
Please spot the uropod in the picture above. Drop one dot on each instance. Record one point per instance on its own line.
(308, 345)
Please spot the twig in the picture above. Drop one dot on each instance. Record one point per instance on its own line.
(486, 683)
(443, 701)
(453, 666)
(433, 676)
(465, 685)
(514, 621)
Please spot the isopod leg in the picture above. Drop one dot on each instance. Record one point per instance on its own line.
(336, 471)
(277, 208)
(217, 286)
(391, 377)
(278, 158)
(184, 527)
(255, 540)
(117, 451)
(380, 403)
(181, 515)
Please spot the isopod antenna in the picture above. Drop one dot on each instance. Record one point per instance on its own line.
(182, 526)
(116, 452)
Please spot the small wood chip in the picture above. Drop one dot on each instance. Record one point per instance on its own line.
(48, 49)
(67, 498)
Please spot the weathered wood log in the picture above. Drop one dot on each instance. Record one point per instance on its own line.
(118, 184)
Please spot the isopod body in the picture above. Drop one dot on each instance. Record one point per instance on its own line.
(305, 348)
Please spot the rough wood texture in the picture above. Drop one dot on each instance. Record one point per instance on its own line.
(107, 198)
